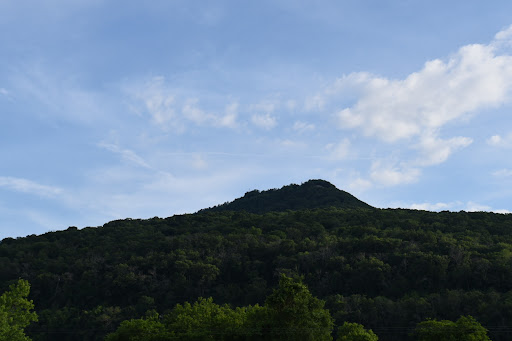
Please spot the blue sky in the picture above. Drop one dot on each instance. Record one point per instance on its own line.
(115, 109)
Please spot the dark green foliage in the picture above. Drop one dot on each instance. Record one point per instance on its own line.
(309, 195)
(205, 320)
(294, 314)
(465, 329)
(355, 332)
(385, 269)
(145, 329)
(290, 313)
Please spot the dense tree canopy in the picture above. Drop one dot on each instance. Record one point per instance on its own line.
(290, 313)
(385, 269)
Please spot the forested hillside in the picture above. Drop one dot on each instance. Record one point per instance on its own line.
(387, 269)
(310, 195)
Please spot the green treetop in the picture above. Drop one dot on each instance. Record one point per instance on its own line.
(355, 332)
(295, 314)
(15, 312)
(465, 329)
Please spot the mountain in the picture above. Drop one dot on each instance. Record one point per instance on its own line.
(309, 195)
(387, 269)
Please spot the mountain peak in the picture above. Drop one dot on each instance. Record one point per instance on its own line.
(309, 195)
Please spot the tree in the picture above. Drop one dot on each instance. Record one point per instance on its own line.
(145, 329)
(355, 332)
(15, 312)
(465, 329)
(205, 320)
(295, 314)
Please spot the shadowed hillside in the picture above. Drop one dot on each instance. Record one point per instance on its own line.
(312, 194)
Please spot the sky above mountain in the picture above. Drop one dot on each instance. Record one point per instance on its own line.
(115, 109)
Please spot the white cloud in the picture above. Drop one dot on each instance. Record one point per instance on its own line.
(264, 121)
(359, 185)
(415, 108)
(473, 78)
(499, 141)
(392, 175)
(502, 173)
(159, 102)
(126, 154)
(291, 104)
(315, 103)
(229, 119)
(198, 162)
(503, 37)
(469, 206)
(267, 106)
(435, 150)
(495, 140)
(339, 151)
(28, 186)
(431, 207)
(302, 127)
(193, 113)
(286, 145)
(4, 92)
(162, 104)
(475, 207)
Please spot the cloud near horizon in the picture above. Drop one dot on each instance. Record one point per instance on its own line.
(470, 206)
(29, 186)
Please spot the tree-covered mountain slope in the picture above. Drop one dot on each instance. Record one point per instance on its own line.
(387, 269)
(309, 195)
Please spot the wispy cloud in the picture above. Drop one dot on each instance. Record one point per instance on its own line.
(359, 185)
(126, 154)
(302, 127)
(431, 206)
(389, 174)
(502, 173)
(500, 141)
(434, 150)
(28, 186)
(469, 206)
(170, 109)
(339, 151)
(159, 102)
(58, 96)
(192, 112)
(265, 121)
(230, 116)
(476, 207)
